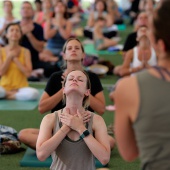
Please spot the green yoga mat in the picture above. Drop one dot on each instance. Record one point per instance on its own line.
(19, 105)
(121, 27)
(90, 49)
(30, 160)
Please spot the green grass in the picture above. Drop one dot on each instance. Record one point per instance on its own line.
(32, 119)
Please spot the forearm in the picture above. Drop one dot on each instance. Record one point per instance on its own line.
(23, 69)
(99, 151)
(38, 45)
(49, 103)
(127, 71)
(73, 10)
(4, 67)
(97, 105)
(48, 31)
(65, 33)
(46, 148)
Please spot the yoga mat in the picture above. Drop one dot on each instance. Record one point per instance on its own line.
(30, 160)
(19, 105)
(121, 27)
(90, 49)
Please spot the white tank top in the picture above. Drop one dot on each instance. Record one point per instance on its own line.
(136, 62)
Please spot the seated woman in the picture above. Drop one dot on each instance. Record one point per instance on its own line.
(15, 67)
(100, 11)
(140, 57)
(100, 41)
(69, 135)
(8, 18)
(73, 11)
(113, 10)
(41, 16)
(56, 31)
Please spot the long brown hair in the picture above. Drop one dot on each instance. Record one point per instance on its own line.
(161, 24)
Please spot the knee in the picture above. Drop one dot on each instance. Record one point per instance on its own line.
(23, 134)
(2, 92)
(112, 142)
(34, 95)
(27, 94)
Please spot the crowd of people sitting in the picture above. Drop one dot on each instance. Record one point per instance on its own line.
(42, 44)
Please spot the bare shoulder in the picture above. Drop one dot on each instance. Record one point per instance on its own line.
(97, 119)
(25, 49)
(125, 84)
(129, 53)
(126, 96)
(50, 118)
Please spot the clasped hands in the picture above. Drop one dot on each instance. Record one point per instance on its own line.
(75, 122)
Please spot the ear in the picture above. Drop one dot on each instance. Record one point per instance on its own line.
(161, 46)
(83, 56)
(64, 55)
(63, 90)
(87, 93)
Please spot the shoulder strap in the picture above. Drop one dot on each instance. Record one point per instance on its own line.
(55, 124)
(159, 71)
(167, 72)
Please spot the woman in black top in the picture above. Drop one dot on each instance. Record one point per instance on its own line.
(73, 54)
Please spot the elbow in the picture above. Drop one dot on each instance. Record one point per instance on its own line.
(122, 73)
(41, 47)
(47, 37)
(40, 109)
(28, 74)
(105, 160)
(130, 157)
(101, 110)
(41, 156)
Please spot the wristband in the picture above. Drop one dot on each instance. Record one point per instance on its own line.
(84, 134)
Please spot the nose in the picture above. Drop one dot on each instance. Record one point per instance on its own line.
(74, 79)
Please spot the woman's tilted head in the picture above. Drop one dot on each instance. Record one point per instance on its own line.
(78, 81)
(142, 32)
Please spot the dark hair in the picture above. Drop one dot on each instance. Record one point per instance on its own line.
(38, 1)
(86, 99)
(65, 13)
(70, 39)
(7, 1)
(27, 2)
(104, 4)
(161, 26)
(6, 30)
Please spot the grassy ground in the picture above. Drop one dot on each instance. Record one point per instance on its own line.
(28, 119)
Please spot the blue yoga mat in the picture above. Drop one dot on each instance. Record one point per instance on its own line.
(19, 105)
(30, 160)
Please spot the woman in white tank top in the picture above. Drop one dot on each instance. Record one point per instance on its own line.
(140, 57)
